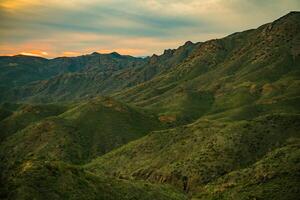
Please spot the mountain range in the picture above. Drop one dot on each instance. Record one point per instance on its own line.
(209, 120)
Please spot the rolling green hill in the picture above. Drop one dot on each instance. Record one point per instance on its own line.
(192, 156)
(240, 76)
(26, 78)
(19, 116)
(210, 120)
(74, 133)
(58, 180)
(275, 176)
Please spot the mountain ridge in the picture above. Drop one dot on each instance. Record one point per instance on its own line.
(208, 120)
(141, 70)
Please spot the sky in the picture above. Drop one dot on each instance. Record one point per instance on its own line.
(52, 28)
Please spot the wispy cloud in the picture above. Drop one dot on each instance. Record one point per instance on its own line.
(67, 28)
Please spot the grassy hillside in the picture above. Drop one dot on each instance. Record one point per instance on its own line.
(37, 137)
(6, 109)
(189, 157)
(214, 120)
(26, 78)
(257, 66)
(275, 176)
(19, 116)
(241, 76)
(77, 134)
(58, 180)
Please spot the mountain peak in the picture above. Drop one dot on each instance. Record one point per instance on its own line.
(115, 53)
(292, 13)
(169, 51)
(95, 53)
(187, 43)
(290, 16)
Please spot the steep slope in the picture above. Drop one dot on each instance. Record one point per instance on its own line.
(253, 65)
(38, 137)
(232, 103)
(88, 76)
(237, 77)
(79, 133)
(19, 70)
(156, 65)
(276, 176)
(192, 156)
(74, 133)
(39, 79)
(58, 180)
(6, 109)
(20, 116)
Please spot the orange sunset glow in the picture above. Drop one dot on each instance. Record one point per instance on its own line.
(69, 28)
(149, 99)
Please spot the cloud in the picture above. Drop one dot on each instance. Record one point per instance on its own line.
(131, 26)
(34, 53)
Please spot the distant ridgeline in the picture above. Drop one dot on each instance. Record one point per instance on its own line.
(209, 120)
